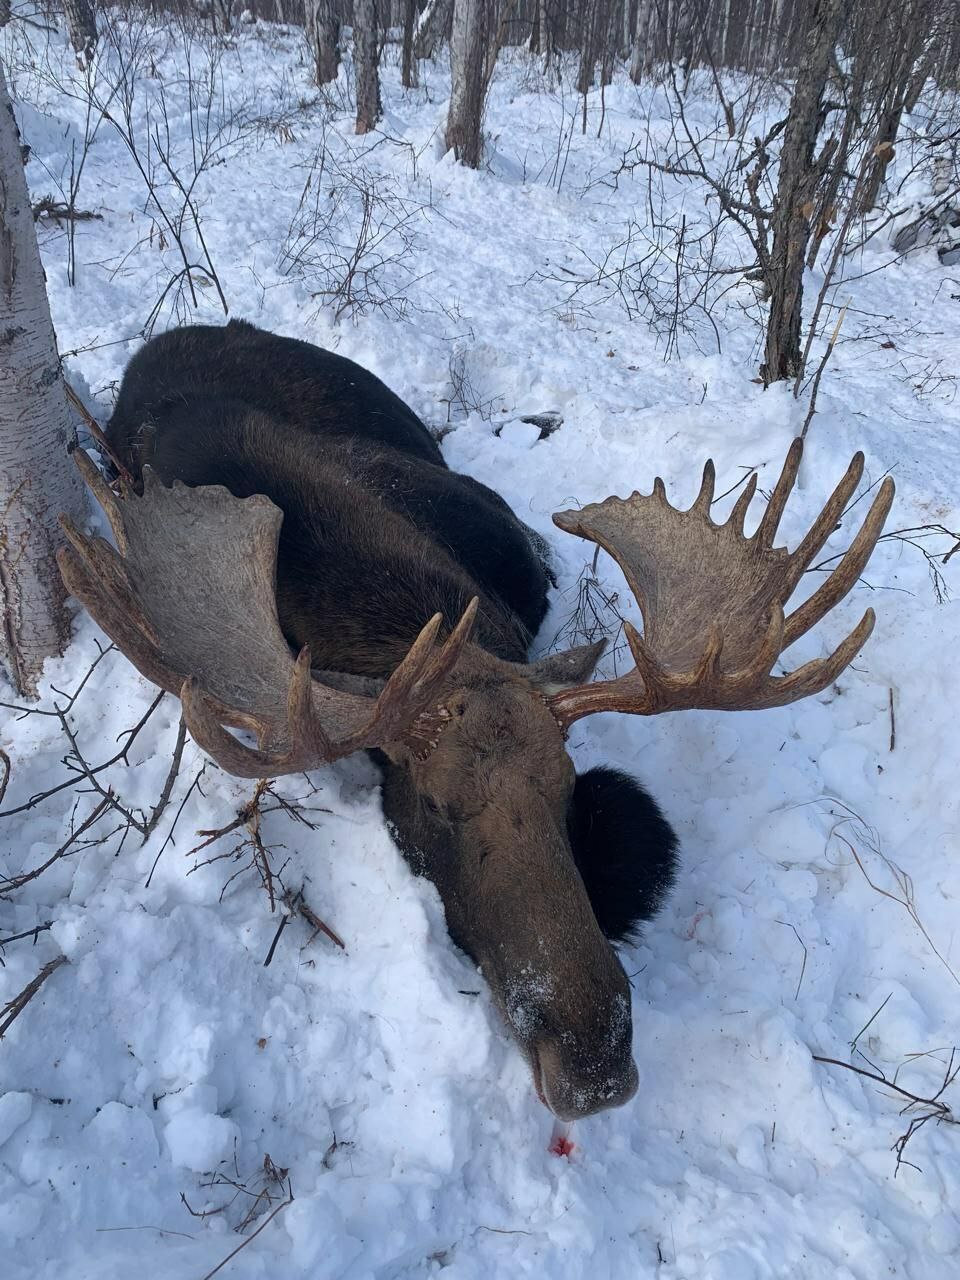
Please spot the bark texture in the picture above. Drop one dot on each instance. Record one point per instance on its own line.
(37, 478)
(323, 36)
(468, 56)
(365, 31)
(796, 194)
(82, 27)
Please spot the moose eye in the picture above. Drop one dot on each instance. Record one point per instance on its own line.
(430, 805)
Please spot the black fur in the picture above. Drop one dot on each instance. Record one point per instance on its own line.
(260, 414)
(624, 848)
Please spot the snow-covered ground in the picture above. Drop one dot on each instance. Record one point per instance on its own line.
(155, 1072)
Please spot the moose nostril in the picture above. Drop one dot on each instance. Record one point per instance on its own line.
(573, 1093)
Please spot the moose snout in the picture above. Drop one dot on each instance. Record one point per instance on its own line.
(573, 1090)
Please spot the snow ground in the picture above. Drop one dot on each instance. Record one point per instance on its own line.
(166, 1058)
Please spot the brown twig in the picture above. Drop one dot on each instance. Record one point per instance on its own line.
(253, 1235)
(131, 735)
(33, 933)
(295, 903)
(904, 883)
(85, 770)
(937, 1109)
(173, 826)
(812, 407)
(12, 1010)
(17, 882)
(172, 775)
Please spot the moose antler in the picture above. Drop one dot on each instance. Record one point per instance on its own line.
(189, 597)
(713, 599)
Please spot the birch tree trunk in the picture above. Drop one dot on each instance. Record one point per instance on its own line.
(433, 25)
(640, 59)
(468, 49)
(37, 478)
(365, 32)
(82, 28)
(796, 194)
(323, 36)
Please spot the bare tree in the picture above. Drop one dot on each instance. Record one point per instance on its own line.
(365, 55)
(468, 59)
(432, 26)
(37, 478)
(409, 76)
(322, 19)
(800, 174)
(82, 27)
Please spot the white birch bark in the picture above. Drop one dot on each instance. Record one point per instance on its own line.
(468, 49)
(37, 478)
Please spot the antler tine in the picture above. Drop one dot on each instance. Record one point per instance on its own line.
(420, 675)
(707, 486)
(814, 677)
(233, 756)
(738, 515)
(824, 524)
(847, 571)
(770, 521)
(308, 744)
(767, 654)
(94, 479)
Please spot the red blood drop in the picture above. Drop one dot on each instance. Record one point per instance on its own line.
(562, 1146)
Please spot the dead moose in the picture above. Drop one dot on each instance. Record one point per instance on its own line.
(295, 559)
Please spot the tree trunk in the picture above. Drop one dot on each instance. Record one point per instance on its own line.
(590, 37)
(365, 31)
(82, 27)
(432, 26)
(640, 59)
(796, 194)
(323, 36)
(468, 49)
(37, 478)
(410, 77)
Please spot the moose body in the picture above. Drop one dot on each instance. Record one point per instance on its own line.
(278, 498)
(540, 871)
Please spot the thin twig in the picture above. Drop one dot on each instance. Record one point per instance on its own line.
(803, 966)
(812, 407)
(33, 933)
(12, 1010)
(17, 882)
(873, 1017)
(893, 724)
(130, 734)
(172, 773)
(253, 1235)
(294, 902)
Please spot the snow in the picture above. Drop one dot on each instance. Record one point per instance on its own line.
(162, 1065)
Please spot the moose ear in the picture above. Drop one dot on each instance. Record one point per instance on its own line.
(563, 670)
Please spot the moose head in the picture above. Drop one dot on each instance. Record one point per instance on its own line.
(478, 782)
